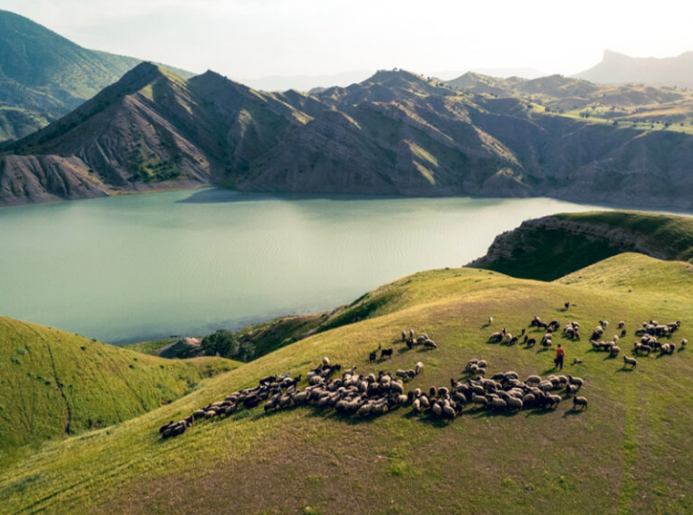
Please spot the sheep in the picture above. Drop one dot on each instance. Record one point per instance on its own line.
(481, 363)
(430, 344)
(529, 400)
(614, 351)
(597, 333)
(577, 361)
(629, 361)
(576, 381)
(514, 403)
(499, 404)
(642, 348)
(372, 357)
(683, 343)
(533, 379)
(490, 320)
(404, 336)
(495, 338)
(386, 353)
(416, 406)
(411, 333)
(604, 323)
(566, 305)
(418, 368)
(531, 342)
(480, 400)
(571, 389)
(580, 401)
(553, 400)
(621, 324)
(325, 361)
(546, 386)
(448, 411)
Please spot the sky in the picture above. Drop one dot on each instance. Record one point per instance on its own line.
(257, 38)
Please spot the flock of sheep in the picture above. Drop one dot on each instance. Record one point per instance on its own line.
(649, 331)
(371, 395)
(502, 392)
(350, 394)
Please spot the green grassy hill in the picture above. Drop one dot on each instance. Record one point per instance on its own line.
(550, 247)
(628, 453)
(44, 75)
(55, 384)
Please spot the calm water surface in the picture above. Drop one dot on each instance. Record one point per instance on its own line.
(128, 268)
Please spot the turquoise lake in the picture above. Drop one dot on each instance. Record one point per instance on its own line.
(137, 267)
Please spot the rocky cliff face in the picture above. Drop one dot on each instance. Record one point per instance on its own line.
(550, 247)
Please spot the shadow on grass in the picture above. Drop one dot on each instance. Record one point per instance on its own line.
(624, 369)
(539, 412)
(402, 350)
(492, 414)
(572, 412)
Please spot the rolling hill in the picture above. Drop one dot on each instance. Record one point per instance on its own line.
(617, 68)
(55, 384)
(616, 457)
(44, 76)
(550, 247)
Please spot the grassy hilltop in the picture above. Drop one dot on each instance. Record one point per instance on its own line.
(626, 454)
(55, 384)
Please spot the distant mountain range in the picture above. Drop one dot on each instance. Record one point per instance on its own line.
(306, 82)
(394, 133)
(44, 76)
(618, 68)
(311, 83)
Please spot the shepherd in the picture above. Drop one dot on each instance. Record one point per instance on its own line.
(560, 354)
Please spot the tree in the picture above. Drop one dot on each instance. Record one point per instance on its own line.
(223, 343)
(227, 345)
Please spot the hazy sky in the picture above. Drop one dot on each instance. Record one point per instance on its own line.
(253, 38)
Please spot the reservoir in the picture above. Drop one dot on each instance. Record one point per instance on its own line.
(136, 267)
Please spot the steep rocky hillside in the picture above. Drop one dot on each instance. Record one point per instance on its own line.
(151, 130)
(395, 133)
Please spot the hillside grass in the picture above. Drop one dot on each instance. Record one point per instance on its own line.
(627, 454)
(55, 384)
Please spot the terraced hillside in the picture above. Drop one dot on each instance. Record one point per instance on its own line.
(55, 384)
(627, 453)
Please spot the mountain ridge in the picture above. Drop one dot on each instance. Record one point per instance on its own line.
(397, 133)
(43, 75)
(619, 68)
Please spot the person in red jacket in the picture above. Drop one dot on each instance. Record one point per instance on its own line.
(560, 354)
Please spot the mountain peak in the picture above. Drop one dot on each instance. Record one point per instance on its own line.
(611, 55)
(384, 76)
